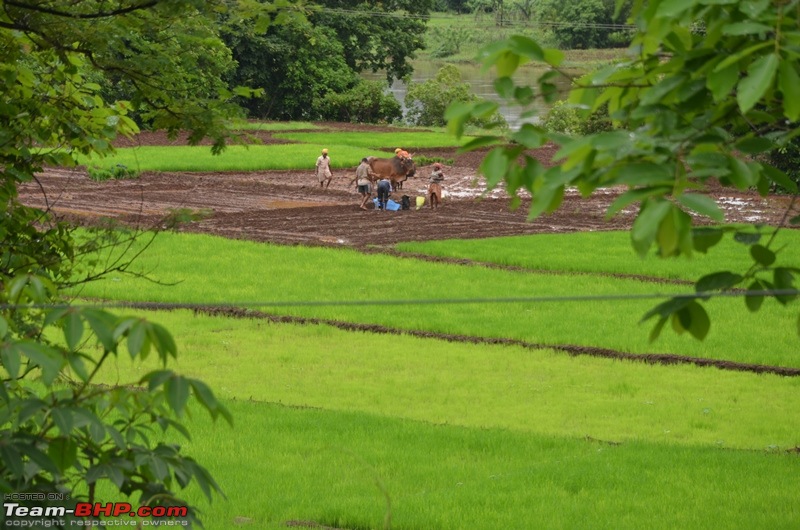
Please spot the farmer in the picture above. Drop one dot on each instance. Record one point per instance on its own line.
(363, 179)
(324, 169)
(435, 186)
(401, 153)
(384, 189)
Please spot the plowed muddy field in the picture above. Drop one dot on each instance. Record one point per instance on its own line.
(289, 207)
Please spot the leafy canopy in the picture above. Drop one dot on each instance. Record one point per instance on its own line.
(59, 431)
(705, 90)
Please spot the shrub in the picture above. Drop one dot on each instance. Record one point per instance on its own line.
(447, 41)
(427, 102)
(366, 102)
(787, 159)
(567, 119)
(426, 161)
(118, 171)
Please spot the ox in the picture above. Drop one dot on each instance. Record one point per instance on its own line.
(395, 169)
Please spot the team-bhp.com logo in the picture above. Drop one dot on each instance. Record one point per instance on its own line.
(92, 514)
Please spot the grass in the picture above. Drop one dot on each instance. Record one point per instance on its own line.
(372, 140)
(236, 157)
(346, 151)
(276, 274)
(250, 125)
(481, 386)
(285, 464)
(578, 252)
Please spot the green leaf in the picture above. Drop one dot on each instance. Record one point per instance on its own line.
(11, 360)
(747, 238)
(667, 309)
(699, 321)
(457, 115)
(507, 63)
(63, 419)
(760, 76)
(527, 47)
(784, 280)
(702, 204)
(494, 166)
(480, 141)
(655, 94)
(644, 174)
(529, 136)
(11, 458)
(102, 324)
(63, 452)
(753, 302)
(177, 389)
(736, 57)
(789, 85)
(745, 28)
(754, 145)
(76, 363)
(717, 281)
(73, 329)
(3, 327)
(162, 340)
(741, 175)
(646, 225)
(44, 357)
(779, 177)
(553, 57)
(39, 458)
(504, 87)
(762, 255)
(138, 343)
(656, 331)
(721, 82)
(156, 378)
(632, 196)
(705, 238)
(672, 8)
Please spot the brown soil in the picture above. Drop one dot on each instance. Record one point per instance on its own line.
(289, 207)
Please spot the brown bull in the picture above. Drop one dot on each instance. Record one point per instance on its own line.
(395, 169)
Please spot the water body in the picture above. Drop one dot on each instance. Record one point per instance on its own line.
(481, 83)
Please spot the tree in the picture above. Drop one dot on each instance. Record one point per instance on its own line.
(428, 101)
(706, 91)
(585, 24)
(59, 431)
(295, 64)
(366, 102)
(377, 34)
(302, 62)
(497, 7)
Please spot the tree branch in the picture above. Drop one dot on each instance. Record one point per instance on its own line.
(84, 16)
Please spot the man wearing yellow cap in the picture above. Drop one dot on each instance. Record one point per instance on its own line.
(401, 153)
(324, 169)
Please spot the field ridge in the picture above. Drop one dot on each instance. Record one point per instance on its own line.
(571, 349)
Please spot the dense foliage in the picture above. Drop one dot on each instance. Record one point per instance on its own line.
(302, 66)
(706, 91)
(295, 65)
(428, 101)
(59, 431)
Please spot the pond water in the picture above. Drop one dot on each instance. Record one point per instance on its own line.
(480, 82)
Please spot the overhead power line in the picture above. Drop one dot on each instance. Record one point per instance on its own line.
(474, 22)
(415, 301)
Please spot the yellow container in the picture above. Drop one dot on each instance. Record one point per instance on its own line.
(420, 202)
